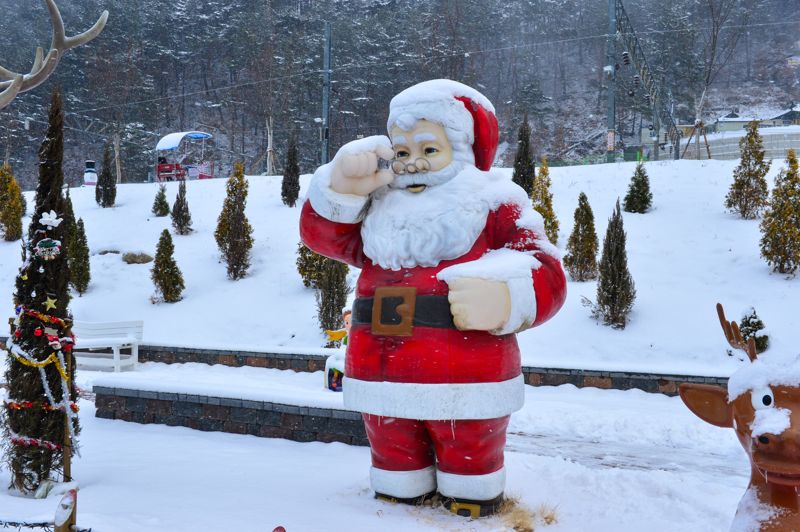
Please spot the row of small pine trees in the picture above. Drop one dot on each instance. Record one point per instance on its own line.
(233, 235)
(615, 291)
(749, 197)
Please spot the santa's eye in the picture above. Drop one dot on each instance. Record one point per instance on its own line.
(402, 153)
(431, 151)
(762, 398)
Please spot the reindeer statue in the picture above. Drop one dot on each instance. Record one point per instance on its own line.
(12, 83)
(762, 404)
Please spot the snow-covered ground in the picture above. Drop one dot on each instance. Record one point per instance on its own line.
(685, 255)
(606, 460)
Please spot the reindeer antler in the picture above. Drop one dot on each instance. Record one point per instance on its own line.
(734, 335)
(13, 83)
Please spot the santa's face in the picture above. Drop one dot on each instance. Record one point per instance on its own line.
(424, 146)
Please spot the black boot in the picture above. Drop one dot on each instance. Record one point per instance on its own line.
(413, 501)
(468, 508)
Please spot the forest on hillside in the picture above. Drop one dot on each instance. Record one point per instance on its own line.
(229, 66)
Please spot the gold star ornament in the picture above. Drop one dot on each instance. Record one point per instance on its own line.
(50, 303)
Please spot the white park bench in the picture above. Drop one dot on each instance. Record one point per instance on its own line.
(114, 335)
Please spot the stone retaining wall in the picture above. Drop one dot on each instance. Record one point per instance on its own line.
(257, 418)
(177, 355)
(617, 380)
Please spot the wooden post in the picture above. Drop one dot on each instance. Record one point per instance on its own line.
(67, 421)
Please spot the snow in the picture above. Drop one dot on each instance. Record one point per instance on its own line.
(437, 90)
(173, 140)
(496, 265)
(770, 421)
(685, 256)
(622, 461)
(771, 368)
(249, 383)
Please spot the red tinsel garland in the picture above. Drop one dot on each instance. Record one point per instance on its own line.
(47, 407)
(24, 441)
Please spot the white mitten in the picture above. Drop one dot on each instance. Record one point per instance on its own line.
(478, 304)
(355, 168)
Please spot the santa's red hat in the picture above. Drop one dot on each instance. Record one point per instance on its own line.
(466, 115)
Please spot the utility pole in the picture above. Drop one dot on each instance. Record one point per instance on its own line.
(611, 79)
(326, 93)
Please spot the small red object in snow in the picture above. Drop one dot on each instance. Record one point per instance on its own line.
(279, 529)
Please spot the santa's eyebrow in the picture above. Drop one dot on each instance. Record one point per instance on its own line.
(422, 137)
(399, 140)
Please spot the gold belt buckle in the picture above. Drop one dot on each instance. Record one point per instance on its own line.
(404, 309)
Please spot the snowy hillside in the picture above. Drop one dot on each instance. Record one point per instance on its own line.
(684, 256)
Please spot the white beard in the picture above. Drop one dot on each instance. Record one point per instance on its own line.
(404, 229)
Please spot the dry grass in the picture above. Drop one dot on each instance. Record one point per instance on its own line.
(108, 251)
(137, 258)
(521, 519)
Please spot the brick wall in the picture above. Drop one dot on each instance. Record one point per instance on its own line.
(258, 418)
(617, 380)
(173, 355)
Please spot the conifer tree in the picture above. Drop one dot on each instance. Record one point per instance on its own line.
(234, 235)
(166, 275)
(160, 204)
(6, 175)
(581, 258)
(181, 217)
(615, 289)
(309, 265)
(10, 205)
(290, 186)
(543, 202)
(332, 291)
(40, 400)
(748, 193)
(524, 164)
(69, 221)
(639, 198)
(79, 269)
(106, 188)
(750, 326)
(780, 228)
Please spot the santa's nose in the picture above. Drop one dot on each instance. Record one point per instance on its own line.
(412, 169)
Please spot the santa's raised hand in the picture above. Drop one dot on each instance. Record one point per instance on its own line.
(355, 167)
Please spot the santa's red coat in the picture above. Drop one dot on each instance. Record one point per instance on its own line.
(436, 373)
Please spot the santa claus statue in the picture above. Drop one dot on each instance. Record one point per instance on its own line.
(454, 262)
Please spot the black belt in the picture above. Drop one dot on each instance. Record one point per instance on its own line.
(400, 309)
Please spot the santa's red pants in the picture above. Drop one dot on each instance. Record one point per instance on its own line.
(462, 459)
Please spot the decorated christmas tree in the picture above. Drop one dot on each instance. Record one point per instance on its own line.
(234, 235)
(639, 198)
(780, 228)
(524, 164)
(290, 186)
(181, 217)
(165, 273)
(581, 258)
(80, 273)
(543, 202)
(615, 289)
(160, 204)
(748, 193)
(40, 365)
(11, 207)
